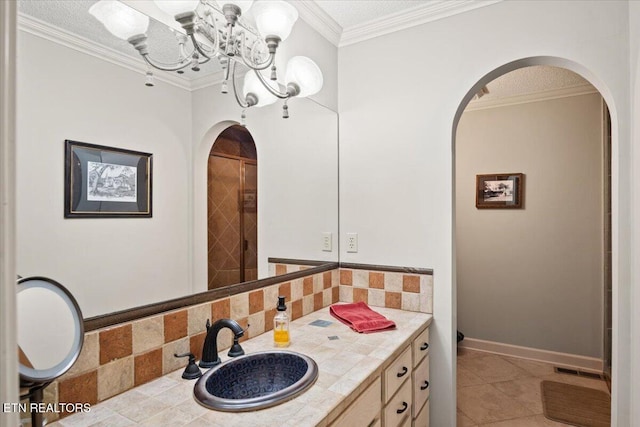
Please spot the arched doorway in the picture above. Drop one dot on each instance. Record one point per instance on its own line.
(603, 191)
(232, 208)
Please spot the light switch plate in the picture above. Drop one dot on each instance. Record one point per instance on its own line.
(327, 241)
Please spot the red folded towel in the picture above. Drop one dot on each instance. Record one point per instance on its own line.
(360, 317)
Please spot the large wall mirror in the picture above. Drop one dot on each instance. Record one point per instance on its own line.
(76, 81)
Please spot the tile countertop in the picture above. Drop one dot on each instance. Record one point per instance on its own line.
(347, 365)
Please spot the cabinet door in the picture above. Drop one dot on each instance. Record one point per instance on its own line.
(420, 347)
(399, 407)
(364, 410)
(421, 385)
(397, 373)
(422, 420)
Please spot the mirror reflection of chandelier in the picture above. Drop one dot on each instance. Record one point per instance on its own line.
(212, 29)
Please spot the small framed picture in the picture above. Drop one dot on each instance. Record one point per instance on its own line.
(500, 191)
(106, 182)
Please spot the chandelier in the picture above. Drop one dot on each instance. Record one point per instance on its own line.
(212, 29)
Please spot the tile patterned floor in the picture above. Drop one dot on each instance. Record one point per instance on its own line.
(500, 391)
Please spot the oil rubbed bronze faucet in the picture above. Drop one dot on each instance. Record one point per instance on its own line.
(210, 349)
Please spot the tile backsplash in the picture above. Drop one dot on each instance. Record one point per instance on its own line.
(406, 291)
(117, 358)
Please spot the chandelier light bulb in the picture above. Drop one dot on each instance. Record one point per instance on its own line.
(253, 85)
(121, 20)
(275, 18)
(306, 74)
(176, 7)
(244, 5)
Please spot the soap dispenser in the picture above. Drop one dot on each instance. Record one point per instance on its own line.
(281, 325)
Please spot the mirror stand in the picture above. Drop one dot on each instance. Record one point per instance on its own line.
(46, 349)
(36, 397)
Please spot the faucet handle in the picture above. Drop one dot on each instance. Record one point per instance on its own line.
(190, 355)
(191, 372)
(235, 350)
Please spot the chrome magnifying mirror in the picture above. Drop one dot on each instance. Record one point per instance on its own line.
(50, 334)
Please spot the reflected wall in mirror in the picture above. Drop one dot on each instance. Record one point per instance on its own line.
(50, 330)
(71, 87)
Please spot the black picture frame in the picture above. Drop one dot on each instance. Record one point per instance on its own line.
(106, 182)
(500, 191)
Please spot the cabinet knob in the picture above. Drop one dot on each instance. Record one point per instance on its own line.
(425, 386)
(405, 406)
(403, 373)
(424, 346)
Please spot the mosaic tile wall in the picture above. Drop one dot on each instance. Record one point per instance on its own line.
(120, 357)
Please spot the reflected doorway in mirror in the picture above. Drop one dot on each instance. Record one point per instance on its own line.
(232, 194)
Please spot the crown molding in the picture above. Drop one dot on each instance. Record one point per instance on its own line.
(483, 104)
(319, 20)
(60, 36)
(207, 80)
(408, 18)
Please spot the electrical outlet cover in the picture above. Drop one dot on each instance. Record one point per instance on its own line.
(352, 242)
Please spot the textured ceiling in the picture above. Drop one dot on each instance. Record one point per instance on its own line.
(532, 80)
(357, 12)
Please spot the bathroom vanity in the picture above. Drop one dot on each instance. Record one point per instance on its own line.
(376, 379)
(399, 395)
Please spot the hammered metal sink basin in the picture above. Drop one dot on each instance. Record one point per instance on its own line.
(256, 381)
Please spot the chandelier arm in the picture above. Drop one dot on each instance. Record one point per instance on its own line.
(250, 64)
(240, 102)
(258, 67)
(266, 84)
(207, 33)
(199, 49)
(168, 67)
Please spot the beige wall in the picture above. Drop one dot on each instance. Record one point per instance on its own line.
(533, 277)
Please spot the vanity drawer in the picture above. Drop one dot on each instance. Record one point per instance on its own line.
(421, 385)
(422, 420)
(399, 407)
(420, 347)
(397, 373)
(364, 411)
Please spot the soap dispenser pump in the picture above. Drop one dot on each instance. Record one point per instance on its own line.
(281, 325)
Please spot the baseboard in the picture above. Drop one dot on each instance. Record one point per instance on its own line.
(563, 360)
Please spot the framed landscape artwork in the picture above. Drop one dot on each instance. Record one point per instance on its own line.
(102, 182)
(500, 191)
